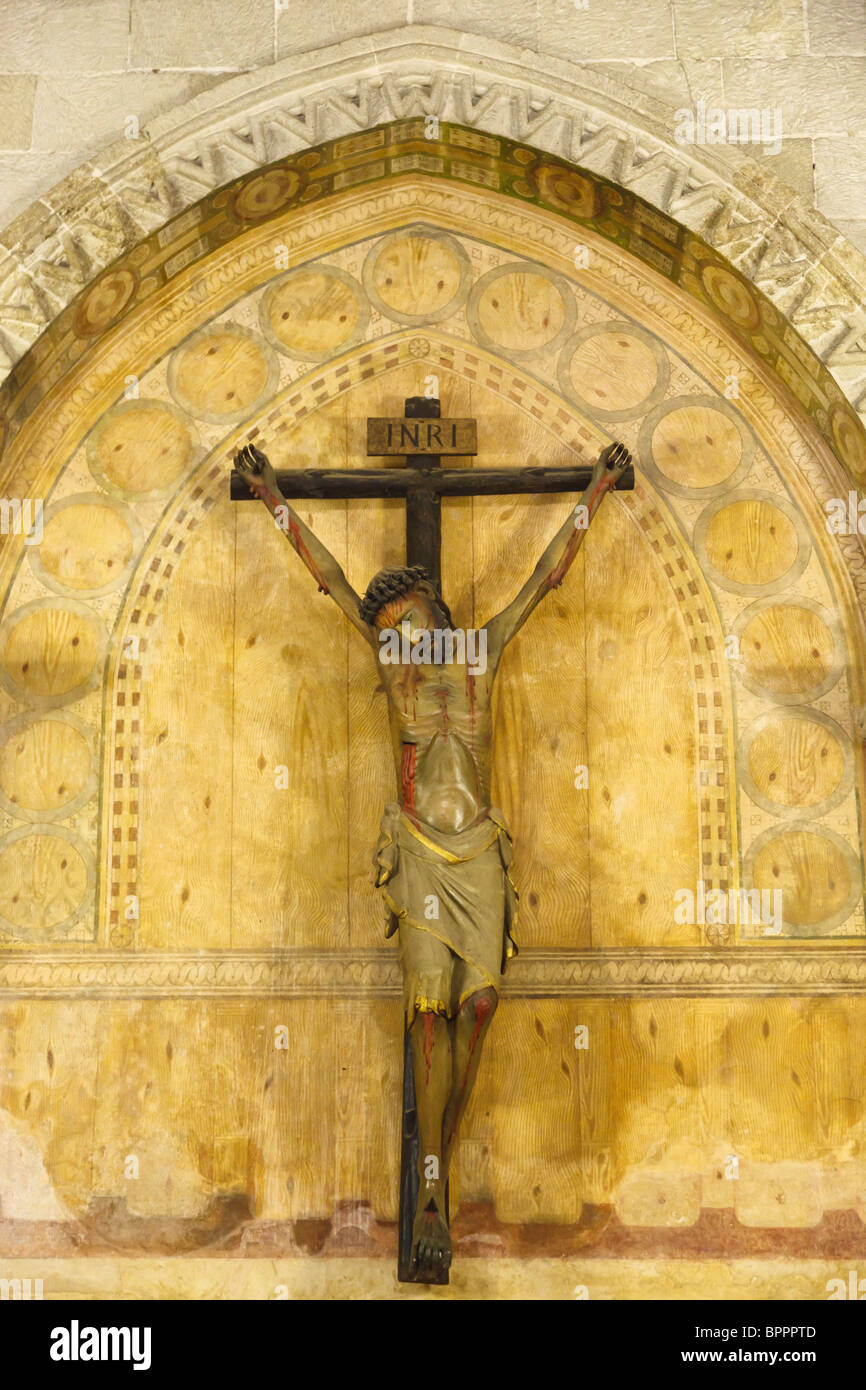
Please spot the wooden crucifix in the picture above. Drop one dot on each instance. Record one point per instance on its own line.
(443, 857)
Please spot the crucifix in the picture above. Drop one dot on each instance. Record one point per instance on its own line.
(444, 853)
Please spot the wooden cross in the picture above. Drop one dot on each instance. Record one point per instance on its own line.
(423, 437)
(423, 482)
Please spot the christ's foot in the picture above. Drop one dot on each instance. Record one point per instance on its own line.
(431, 1240)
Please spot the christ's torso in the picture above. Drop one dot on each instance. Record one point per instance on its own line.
(441, 727)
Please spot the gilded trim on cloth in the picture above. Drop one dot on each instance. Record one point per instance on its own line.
(466, 875)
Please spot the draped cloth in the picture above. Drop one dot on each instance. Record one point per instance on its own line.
(455, 890)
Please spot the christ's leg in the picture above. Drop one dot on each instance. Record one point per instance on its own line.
(427, 971)
(470, 1029)
(431, 1057)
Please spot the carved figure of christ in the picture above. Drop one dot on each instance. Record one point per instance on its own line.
(444, 851)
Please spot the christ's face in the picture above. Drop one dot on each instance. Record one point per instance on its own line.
(413, 609)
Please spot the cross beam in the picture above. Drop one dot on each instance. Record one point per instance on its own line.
(423, 482)
(448, 482)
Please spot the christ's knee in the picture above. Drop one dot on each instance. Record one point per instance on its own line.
(473, 1020)
(431, 1047)
(477, 1011)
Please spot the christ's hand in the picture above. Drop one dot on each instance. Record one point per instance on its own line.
(256, 468)
(612, 463)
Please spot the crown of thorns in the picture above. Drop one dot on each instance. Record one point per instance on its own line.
(392, 583)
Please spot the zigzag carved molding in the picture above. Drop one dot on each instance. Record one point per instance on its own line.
(808, 269)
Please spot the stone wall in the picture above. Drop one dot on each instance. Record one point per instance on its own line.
(77, 75)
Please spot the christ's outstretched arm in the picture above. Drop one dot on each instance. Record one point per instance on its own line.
(262, 480)
(557, 558)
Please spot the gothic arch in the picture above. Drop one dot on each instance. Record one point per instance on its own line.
(174, 285)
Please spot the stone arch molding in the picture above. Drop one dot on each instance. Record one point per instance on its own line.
(808, 269)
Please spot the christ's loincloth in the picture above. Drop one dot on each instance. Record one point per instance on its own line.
(455, 905)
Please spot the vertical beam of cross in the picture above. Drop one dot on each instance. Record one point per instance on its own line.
(424, 506)
(423, 547)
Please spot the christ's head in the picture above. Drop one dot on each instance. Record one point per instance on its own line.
(404, 595)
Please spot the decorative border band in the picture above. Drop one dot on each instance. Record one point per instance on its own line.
(352, 974)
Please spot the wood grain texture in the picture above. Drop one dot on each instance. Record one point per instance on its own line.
(187, 750)
(795, 762)
(810, 871)
(664, 1096)
(290, 713)
(86, 546)
(50, 651)
(787, 650)
(539, 698)
(43, 880)
(640, 724)
(48, 1080)
(752, 542)
(44, 765)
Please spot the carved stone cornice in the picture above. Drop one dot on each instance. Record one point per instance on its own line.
(358, 974)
